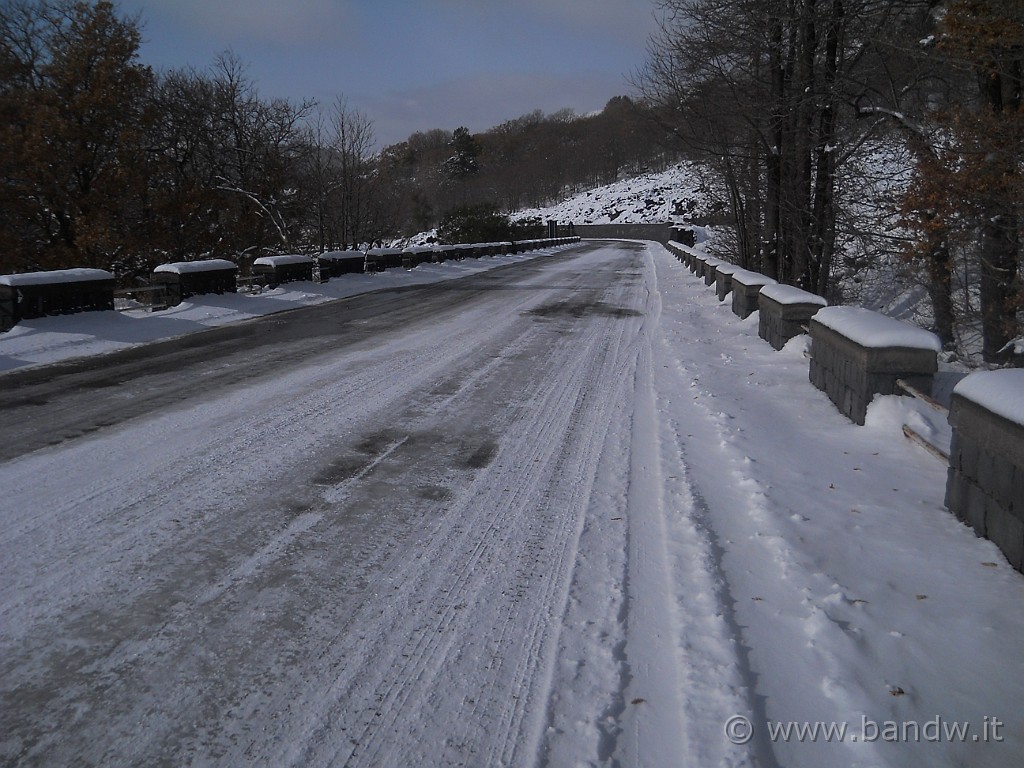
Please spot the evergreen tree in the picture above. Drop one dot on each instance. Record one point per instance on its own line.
(463, 164)
(475, 224)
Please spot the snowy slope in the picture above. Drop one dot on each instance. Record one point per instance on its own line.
(651, 198)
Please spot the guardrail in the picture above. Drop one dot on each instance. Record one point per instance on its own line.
(37, 294)
(985, 485)
(856, 354)
(57, 292)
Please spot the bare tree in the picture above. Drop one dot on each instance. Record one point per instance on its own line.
(353, 147)
(986, 39)
(760, 89)
(259, 149)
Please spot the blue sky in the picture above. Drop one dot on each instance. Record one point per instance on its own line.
(412, 65)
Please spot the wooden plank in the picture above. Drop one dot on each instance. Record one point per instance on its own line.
(915, 392)
(934, 450)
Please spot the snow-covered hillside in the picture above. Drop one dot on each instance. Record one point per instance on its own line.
(676, 194)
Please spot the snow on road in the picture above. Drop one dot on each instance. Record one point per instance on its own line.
(591, 519)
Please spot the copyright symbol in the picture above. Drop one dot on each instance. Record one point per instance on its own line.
(738, 729)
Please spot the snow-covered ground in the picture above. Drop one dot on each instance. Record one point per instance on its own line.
(590, 520)
(671, 195)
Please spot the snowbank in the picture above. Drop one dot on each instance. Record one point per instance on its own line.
(1001, 392)
(190, 267)
(874, 331)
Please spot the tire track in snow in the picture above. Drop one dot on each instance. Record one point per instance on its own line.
(135, 505)
(672, 651)
(713, 670)
(717, 677)
(587, 686)
(652, 730)
(139, 519)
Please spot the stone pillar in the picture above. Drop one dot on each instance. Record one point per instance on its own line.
(857, 353)
(985, 484)
(783, 311)
(723, 279)
(746, 290)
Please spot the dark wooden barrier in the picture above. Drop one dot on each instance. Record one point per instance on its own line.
(59, 292)
(274, 270)
(184, 279)
(414, 255)
(379, 259)
(443, 253)
(338, 263)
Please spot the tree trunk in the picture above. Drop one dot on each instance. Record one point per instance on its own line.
(803, 108)
(771, 258)
(1000, 245)
(824, 215)
(940, 291)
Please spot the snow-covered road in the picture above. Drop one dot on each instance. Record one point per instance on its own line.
(573, 512)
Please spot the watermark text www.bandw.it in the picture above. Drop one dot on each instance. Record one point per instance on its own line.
(740, 730)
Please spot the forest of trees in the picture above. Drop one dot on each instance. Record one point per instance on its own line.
(792, 102)
(528, 162)
(109, 164)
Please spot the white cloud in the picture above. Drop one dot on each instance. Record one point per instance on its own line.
(627, 20)
(280, 21)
